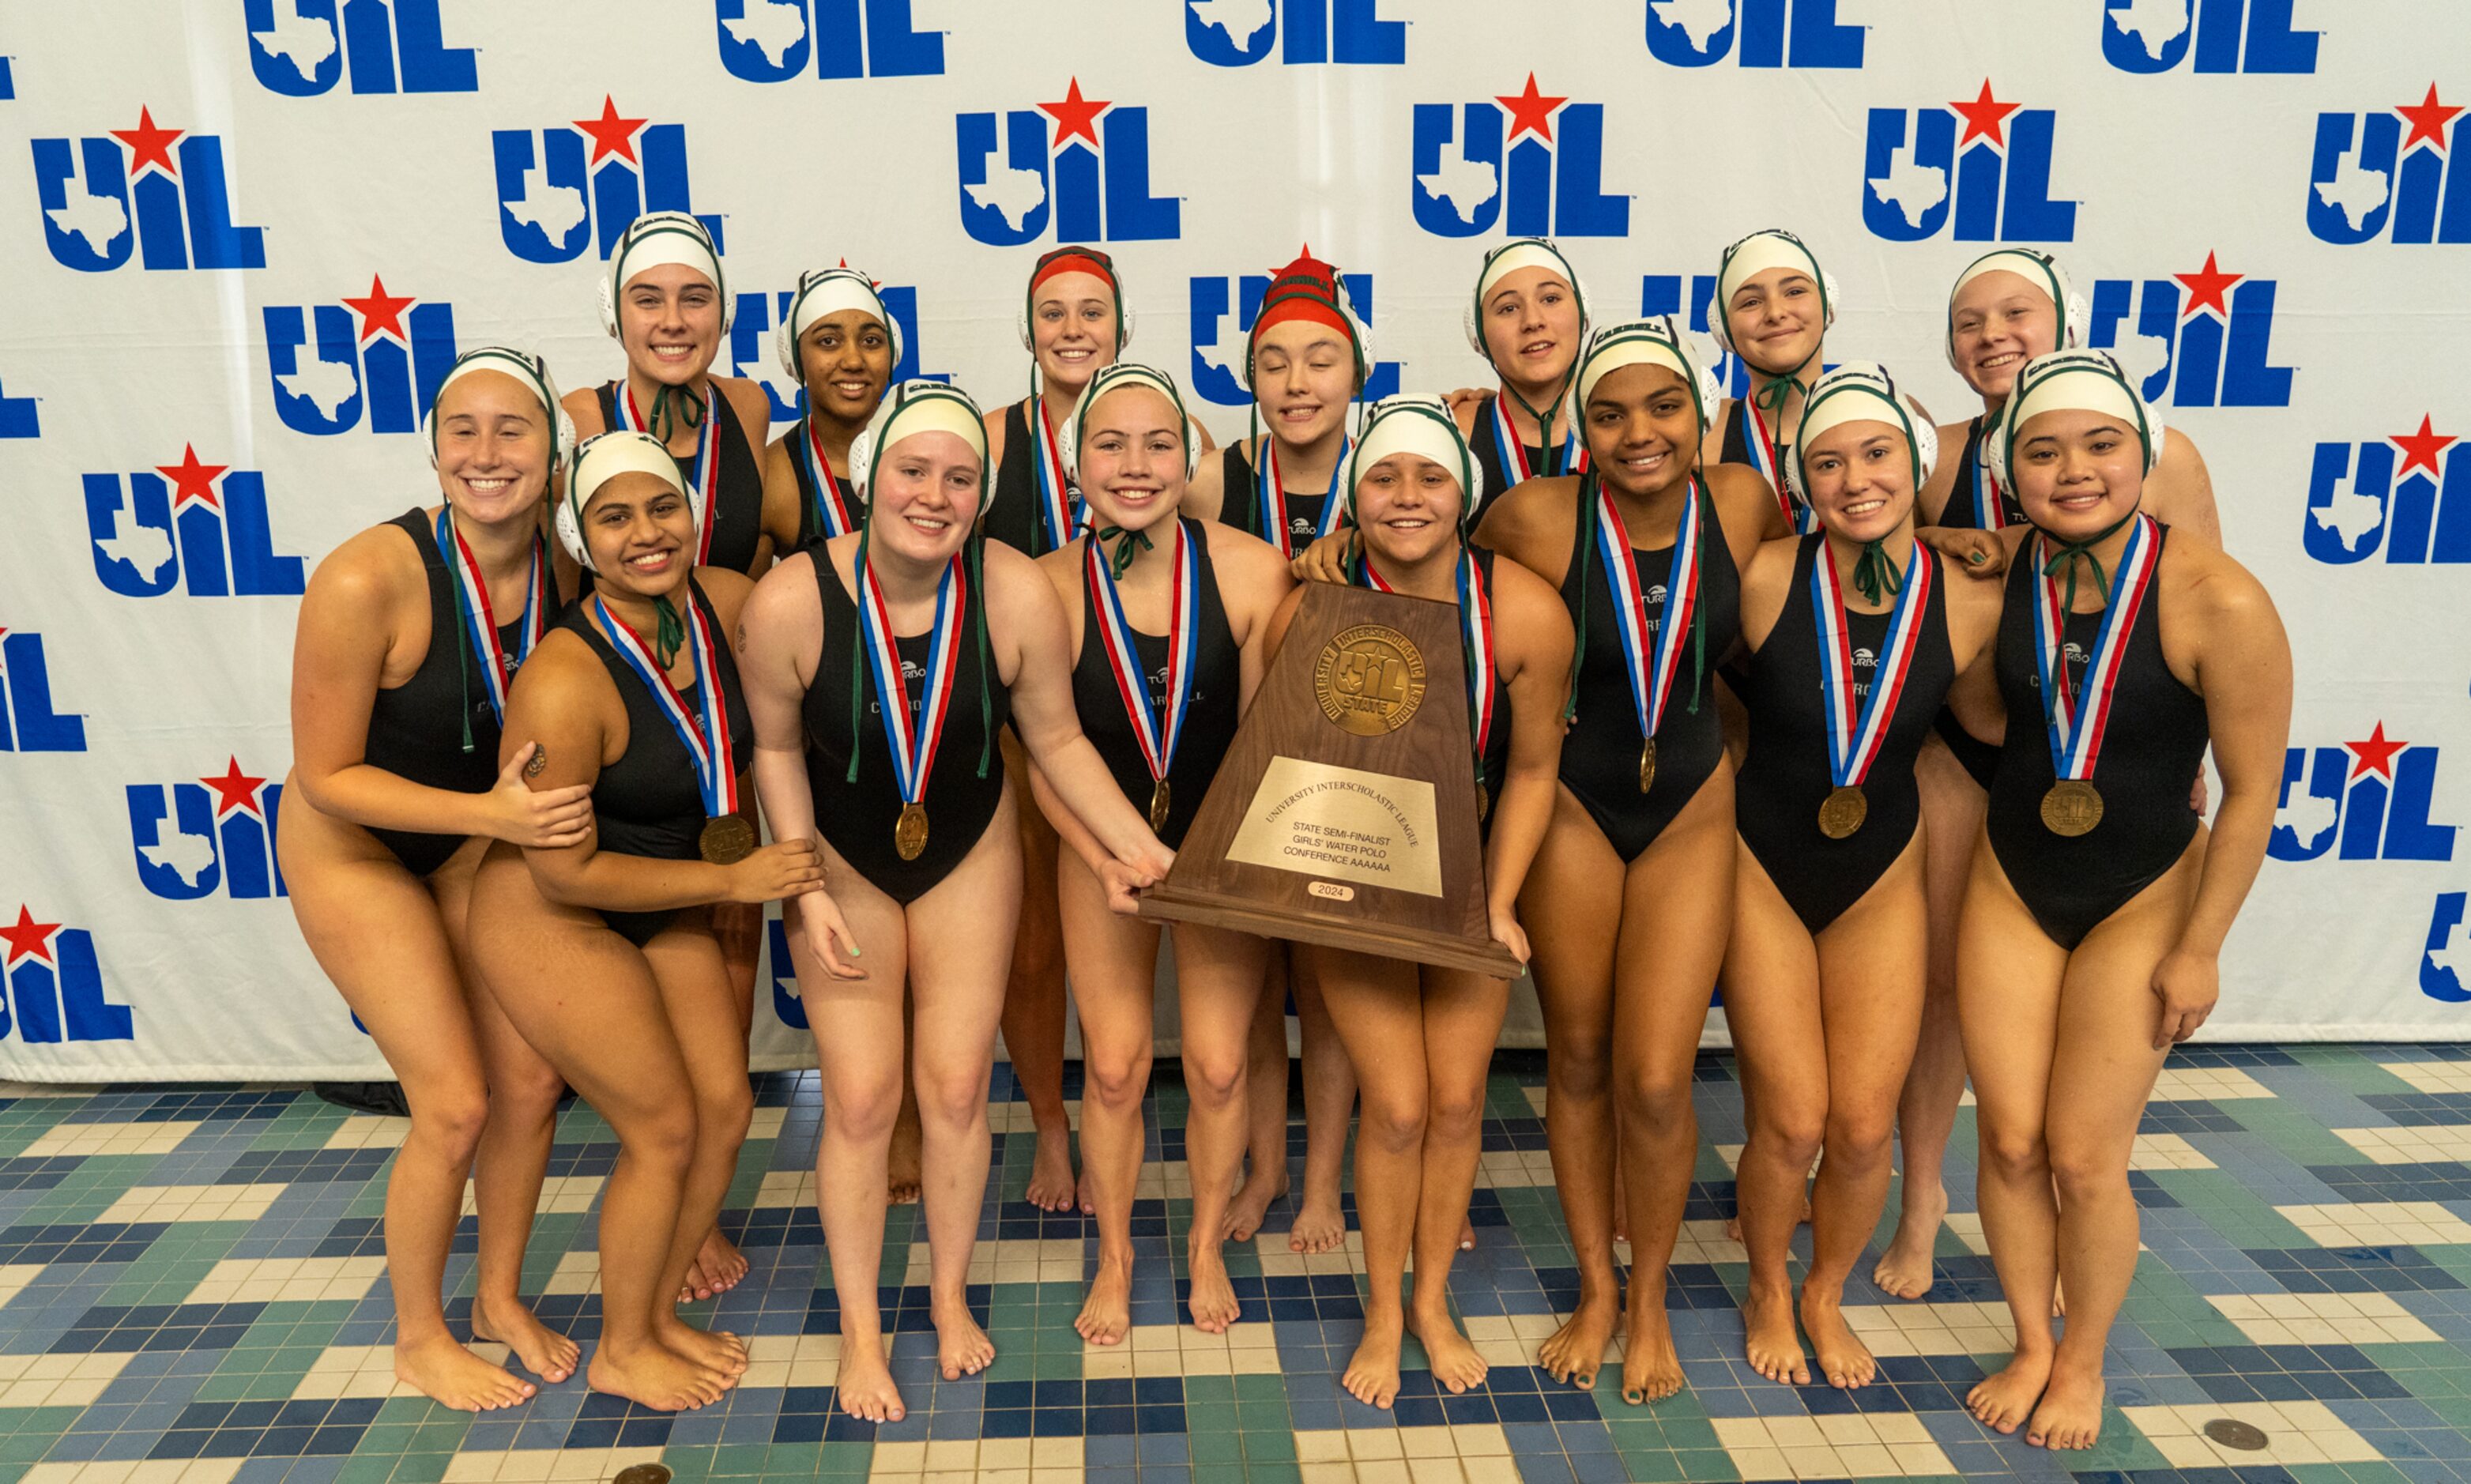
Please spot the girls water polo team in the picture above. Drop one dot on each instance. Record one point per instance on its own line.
(1895, 731)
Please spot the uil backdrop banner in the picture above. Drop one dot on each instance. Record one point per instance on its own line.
(245, 238)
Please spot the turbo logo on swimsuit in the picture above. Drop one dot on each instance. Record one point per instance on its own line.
(190, 839)
(1990, 183)
(2157, 36)
(197, 526)
(55, 985)
(1240, 32)
(551, 190)
(1218, 372)
(159, 193)
(775, 40)
(2371, 177)
(377, 358)
(750, 344)
(300, 48)
(2202, 339)
(2409, 493)
(1530, 163)
(1081, 165)
(28, 723)
(1760, 33)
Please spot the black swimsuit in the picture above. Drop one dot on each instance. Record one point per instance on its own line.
(1496, 743)
(1239, 502)
(1013, 507)
(810, 526)
(1499, 476)
(1980, 758)
(858, 818)
(1210, 721)
(648, 803)
(1786, 776)
(737, 515)
(417, 730)
(1600, 754)
(2153, 743)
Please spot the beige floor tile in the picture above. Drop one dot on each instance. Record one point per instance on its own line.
(89, 1139)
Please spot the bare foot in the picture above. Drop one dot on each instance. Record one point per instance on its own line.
(900, 1165)
(2002, 1402)
(1108, 1311)
(1904, 1270)
(1769, 1339)
(1577, 1348)
(717, 1349)
(542, 1349)
(1456, 1366)
(1320, 1224)
(1733, 1223)
(1051, 1186)
(1372, 1375)
(2070, 1416)
(1213, 1303)
(863, 1386)
(656, 1377)
(451, 1376)
(1842, 1359)
(1466, 1234)
(717, 1267)
(961, 1347)
(1252, 1200)
(1651, 1369)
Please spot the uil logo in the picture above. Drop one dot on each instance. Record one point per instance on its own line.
(299, 48)
(381, 355)
(28, 723)
(172, 182)
(750, 346)
(1760, 33)
(775, 40)
(54, 982)
(1240, 32)
(550, 193)
(1219, 355)
(2411, 508)
(782, 974)
(2365, 800)
(2197, 339)
(1482, 165)
(191, 839)
(196, 526)
(1990, 183)
(2444, 969)
(1015, 186)
(18, 418)
(2157, 35)
(2370, 180)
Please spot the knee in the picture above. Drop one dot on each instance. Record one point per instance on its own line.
(450, 1120)
(528, 1096)
(1579, 1066)
(724, 1111)
(862, 1110)
(1794, 1132)
(1392, 1123)
(1861, 1140)
(2084, 1172)
(2015, 1154)
(1114, 1078)
(1456, 1117)
(1214, 1079)
(952, 1099)
(662, 1137)
(1656, 1100)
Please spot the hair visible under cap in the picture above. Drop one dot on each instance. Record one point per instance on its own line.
(1640, 343)
(1755, 255)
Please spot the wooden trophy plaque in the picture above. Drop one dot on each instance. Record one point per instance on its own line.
(1346, 811)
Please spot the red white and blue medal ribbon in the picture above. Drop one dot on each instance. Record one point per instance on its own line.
(832, 514)
(1055, 491)
(1271, 491)
(702, 472)
(913, 744)
(704, 728)
(1157, 730)
(482, 623)
(1514, 449)
(1652, 662)
(1990, 501)
(2075, 720)
(1853, 736)
(1475, 633)
(1769, 459)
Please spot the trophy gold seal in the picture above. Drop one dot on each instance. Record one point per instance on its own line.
(1369, 679)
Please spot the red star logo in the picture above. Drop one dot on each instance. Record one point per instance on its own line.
(30, 936)
(235, 789)
(2428, 119)
(2420, 449)
(380, 312)
(192, 480)
(2207, 287)
(1076, 114)
(153, 146)
(1984, 118)
(2376, 754)
(1531, 109)
(610, 133)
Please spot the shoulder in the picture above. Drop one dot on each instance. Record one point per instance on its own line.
(749, 401)
(1062, 567)
(1772, 562)
(2179, 454)
(370, 571)
(1523, 598)
(2212, 581)
(1738, 488)
(725, 590)
(561, 674)
(788, 588)
(1530, 515)
(1239, 556)
(584, 405)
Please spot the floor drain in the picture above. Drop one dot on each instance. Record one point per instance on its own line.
(642, 1474)
(2228, 1431)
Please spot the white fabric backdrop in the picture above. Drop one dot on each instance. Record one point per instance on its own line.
(192, 292)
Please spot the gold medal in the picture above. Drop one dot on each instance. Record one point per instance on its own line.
(1483, 802)
(2072, 808)
(1647, 765)
(726, 839)
(1158, 806)
(1843, 812)
(909, 832)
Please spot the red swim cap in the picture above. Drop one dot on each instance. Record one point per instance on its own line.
(1075, 260)
(1306, 289)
